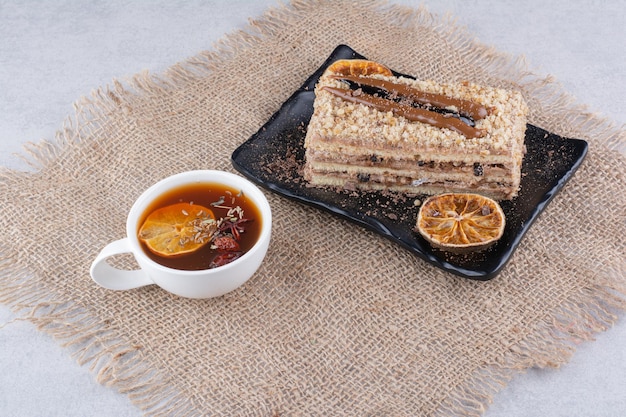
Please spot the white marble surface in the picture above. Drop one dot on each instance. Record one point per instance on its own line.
(52, 53)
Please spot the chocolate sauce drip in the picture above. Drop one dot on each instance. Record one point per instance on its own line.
(379, 92)
(465, 107)
(408, 111)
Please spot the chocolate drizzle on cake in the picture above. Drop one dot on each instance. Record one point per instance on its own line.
(434, 109)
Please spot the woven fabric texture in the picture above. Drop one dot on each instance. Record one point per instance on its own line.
(337, 321)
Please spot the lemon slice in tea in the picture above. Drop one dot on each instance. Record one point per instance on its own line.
(177, 229)
(460, 223)
(358, 67)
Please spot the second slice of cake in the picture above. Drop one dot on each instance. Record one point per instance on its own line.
(371, 130)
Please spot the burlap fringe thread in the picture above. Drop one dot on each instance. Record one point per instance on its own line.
(119, 364)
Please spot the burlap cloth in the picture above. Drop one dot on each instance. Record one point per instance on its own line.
(337, 321)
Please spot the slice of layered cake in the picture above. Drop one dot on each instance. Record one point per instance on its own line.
(371, 130)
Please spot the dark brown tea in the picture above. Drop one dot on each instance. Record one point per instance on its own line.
(227, 234)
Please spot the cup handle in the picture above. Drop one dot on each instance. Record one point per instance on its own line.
(113, 278)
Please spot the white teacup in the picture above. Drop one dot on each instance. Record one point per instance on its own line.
(205, 283)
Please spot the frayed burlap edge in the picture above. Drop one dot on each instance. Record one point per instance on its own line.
(550, 345)
(114, 361)
(586, 312)
(119, 364)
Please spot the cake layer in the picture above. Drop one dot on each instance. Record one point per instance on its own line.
(409, 186)
(474, 172)
(470, 175)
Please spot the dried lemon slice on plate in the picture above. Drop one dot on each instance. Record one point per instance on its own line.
(460, 222)
(358, 67)
(177, 229)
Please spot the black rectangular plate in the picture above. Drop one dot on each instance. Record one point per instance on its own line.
(274, 157)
